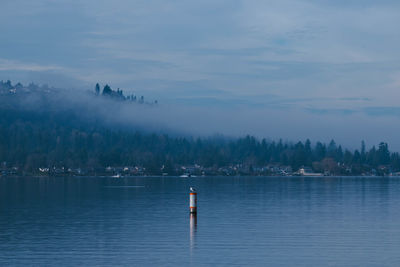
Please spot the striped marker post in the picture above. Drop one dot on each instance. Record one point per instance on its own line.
(193, 200)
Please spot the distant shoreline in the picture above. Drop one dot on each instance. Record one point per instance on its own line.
(196, 177)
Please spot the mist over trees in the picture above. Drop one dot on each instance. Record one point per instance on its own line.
(119, 94)
(6, 87)
(31, 141)
(41, 136)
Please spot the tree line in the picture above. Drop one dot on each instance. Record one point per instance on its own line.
(30, 140)
(118, 94)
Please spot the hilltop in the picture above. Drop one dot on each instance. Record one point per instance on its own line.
(18, 89)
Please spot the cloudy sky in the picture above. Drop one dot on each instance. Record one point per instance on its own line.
(291, 69)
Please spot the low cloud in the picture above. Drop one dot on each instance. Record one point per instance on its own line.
(13, 65)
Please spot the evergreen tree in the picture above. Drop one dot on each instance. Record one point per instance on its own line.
(107, 90)
(97, 89)
(383, 154)
(363, 155)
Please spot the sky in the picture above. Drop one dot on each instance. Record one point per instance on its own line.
(275, 69)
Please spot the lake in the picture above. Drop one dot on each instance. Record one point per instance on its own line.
(145, 221)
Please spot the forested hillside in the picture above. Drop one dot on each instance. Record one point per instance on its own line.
(38, 138)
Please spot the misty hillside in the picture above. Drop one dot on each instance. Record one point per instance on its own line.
(44, 129)
(99, 107)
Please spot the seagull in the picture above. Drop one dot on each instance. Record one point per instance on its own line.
(192, 189)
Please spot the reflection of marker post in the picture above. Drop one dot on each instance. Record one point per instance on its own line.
(193, 229)
(193, 200)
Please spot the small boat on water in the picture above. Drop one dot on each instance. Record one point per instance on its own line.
(308, 172)
(187, 175)
(116, 176)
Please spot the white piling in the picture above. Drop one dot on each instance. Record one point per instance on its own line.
(193, 200)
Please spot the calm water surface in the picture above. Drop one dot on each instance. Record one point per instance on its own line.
(274, 221)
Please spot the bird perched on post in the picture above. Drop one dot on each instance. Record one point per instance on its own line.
(192, 189)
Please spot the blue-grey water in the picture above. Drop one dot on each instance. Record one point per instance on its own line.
(266, 221)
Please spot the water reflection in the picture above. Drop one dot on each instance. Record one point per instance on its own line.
(193, 229)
